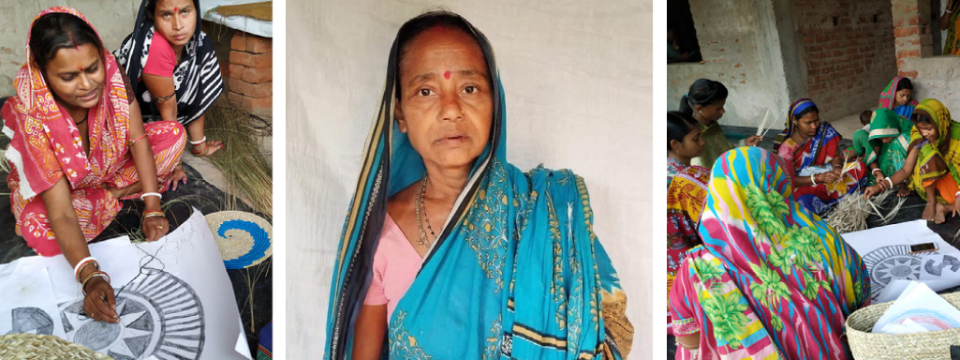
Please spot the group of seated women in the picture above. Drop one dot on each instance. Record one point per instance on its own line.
(753, 270)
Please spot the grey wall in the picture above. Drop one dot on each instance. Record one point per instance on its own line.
(113, 20)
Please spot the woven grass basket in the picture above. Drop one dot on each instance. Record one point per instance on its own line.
(924, 345)
(36, 346)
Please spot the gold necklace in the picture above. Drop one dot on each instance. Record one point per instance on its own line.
(418, 208)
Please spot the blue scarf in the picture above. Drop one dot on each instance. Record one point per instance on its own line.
(517, 272)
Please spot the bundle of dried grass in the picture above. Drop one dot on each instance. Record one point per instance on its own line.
(850, 214)
(242, 162)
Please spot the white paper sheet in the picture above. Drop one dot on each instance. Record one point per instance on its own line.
(918, 309)
(886, 253)
(181, 305)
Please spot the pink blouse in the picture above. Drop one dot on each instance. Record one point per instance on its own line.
(162, 59)
(395, 266)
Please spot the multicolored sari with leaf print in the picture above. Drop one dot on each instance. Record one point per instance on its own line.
(772, 280)
(516, 273)
(938, 162)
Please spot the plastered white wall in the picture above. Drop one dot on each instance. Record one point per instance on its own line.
(113, 20)
(577, 77)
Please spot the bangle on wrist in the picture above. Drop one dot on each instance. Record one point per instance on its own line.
(150, 214)
(813, 179)
(82, 264)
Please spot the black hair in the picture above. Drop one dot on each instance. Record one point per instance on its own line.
(921, 117)
(865, 117)
(678, 126)
(53, 32)
(804, 112)
(904, 84)
(418, 25)
(703, 92)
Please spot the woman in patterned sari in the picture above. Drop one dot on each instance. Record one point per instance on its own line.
(822, 173)
(884, 147)
(771, 280)
(513, 269)
(77, 145)
(174, 68)
(898, 96)
(932, 164)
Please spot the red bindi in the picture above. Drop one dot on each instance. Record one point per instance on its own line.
(446, 74)
(175, 10)
(80, 67)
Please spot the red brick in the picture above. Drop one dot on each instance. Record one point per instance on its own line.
(250, 75)
(251, 90)
(906, 31)
(904, 54)
(237, 42)
(250, 103)
(256, 61)
(908, 74)
(259, 45)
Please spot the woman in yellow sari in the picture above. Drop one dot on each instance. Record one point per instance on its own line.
(934, 160)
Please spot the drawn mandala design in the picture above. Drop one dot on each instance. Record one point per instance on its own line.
(160, 315)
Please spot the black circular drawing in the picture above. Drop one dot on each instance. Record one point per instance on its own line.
(889, 263)
(160, 315)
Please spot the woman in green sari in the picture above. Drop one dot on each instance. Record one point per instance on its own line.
(884, 148)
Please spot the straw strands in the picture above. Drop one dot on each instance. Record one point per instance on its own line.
(850, 214)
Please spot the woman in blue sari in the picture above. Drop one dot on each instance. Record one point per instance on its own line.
(513, 269)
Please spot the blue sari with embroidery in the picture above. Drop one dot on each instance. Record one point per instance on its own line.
(516, 273)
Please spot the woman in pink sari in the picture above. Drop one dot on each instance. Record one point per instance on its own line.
(77, 145)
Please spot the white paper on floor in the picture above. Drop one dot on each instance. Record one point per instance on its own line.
(173, 295)
(886, 253)
(918, 309)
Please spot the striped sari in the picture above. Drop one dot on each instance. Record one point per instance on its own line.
(938, 163)
(197, 78)
(772, 280)
(516, 272)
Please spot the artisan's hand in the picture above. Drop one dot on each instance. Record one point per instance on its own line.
(871, 191)
(100, 304)
(753, 140)
(155, 227)
(176, 177)
(828, 177)
(956, 208)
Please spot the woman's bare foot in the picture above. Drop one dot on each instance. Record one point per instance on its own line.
(941, 215)
(904, 190)
(206, 148)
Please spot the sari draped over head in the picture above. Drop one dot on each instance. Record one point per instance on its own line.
(196, 78)
(937, 161)
(517, 272)
(887, 124)
(772, 280)
(685, 198)
(46, 145)
(813, 156)
(888, 99)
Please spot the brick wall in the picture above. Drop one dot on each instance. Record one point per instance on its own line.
(849, 52)
(737, 52)
(250, 72)
(933, 76)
